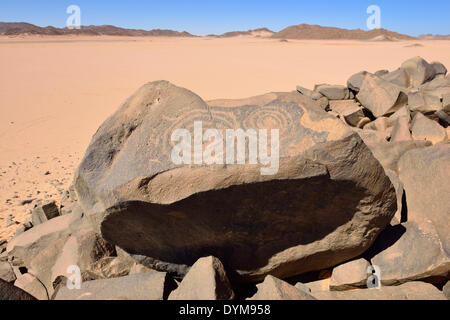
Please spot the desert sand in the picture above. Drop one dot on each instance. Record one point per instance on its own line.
(56, 91)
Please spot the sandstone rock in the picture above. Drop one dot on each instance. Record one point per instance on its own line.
(350, 275)
(420, 248)
(44, 213)
(401, 132)
(309, 93)
(319, 285)
(207, 280)
(333, 92)
(443, 117)
(438, 87)
(446, 103)
(424, 103)
(33, 286)
(276, 289)
(49, 249)
(398, 77)
(404, 112)
(356, 80)
(381, 73)
(439, 68)
(423, 128)
(6, 272)
(363, 122)
(446, 290)
(145, 286)
(177, 271)
(408, 252)
(148, 205)
(407, 291)
(323, 103)
(381, 97)
(389, 153)
(419, 71)
(10, 292)
(380, 124)
(349, 110)
(303, 287)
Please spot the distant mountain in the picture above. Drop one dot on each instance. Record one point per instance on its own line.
(19, 28)
(261, 32)
(434, 37)
(301, 32)
(315, 32)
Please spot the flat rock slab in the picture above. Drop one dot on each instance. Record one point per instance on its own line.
(408, 252)
(338, 194)
(407, 291)
(350, 275)
(146, 286)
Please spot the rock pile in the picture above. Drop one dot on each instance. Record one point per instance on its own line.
(360, 187)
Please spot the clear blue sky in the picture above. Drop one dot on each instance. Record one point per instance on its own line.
(201, 17)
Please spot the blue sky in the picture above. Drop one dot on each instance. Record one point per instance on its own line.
(202, 17)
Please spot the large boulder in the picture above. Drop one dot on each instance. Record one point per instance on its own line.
(144, 286)
(407, 291)
(276, 289)
(420, 248)
(407, 252)
(419, 71)
(381, 97)
(206, 280)
(49, 250)
(338, 194)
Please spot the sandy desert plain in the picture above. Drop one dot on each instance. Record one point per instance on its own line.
(56, 91)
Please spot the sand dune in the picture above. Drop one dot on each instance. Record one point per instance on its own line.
(56, 91)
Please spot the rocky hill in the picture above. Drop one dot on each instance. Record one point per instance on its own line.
(14, 29)
(316, 32)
